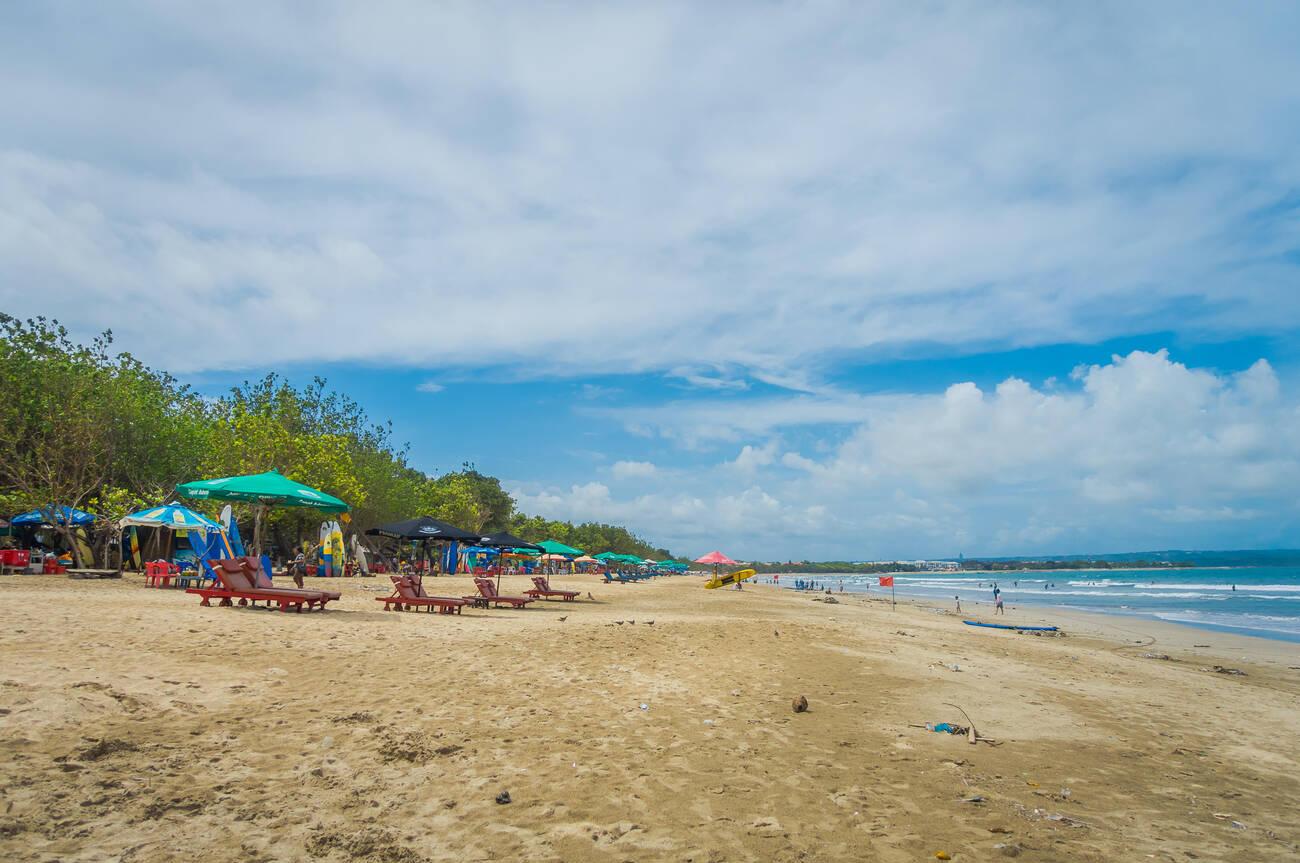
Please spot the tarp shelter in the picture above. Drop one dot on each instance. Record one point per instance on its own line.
(62, 515)
(264, 489)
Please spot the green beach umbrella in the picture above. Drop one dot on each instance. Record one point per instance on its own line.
(606, 555)
(264, 489)
(554, 546)
(271, 488)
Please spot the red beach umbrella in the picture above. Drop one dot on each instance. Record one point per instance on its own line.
(716, 558)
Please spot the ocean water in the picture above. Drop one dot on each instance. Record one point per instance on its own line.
(1266, 601)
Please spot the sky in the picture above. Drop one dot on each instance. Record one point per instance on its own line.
(793, 280)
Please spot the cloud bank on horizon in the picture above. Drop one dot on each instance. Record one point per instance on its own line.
(741, 201)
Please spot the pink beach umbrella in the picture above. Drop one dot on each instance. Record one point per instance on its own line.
(716, 558)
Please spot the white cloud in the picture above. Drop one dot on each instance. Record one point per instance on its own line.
(608, 192)
(632, 469)
(430, 387)
(751, 458)
(1142, 452)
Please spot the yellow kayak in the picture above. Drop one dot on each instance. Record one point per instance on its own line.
(729, 579)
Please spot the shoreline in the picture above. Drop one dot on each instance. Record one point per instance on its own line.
(1063, 609)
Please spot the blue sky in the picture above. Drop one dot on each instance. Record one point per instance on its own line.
(805, 280)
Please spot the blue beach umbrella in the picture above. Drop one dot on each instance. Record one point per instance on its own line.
(62, 515)
(171, 516)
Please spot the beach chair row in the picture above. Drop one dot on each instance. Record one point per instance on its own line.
(409, 595)
(243, 581)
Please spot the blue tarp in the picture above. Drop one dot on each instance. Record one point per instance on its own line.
(235, 542)
(207, 546)
(450, 556)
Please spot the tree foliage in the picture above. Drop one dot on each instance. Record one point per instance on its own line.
(84, 427)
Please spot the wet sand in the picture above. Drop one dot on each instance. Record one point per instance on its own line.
(139, 726)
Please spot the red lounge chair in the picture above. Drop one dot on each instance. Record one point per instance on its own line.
(235, 585)
(408, 593)
(488, 595)
(257, 575)
(542, 590)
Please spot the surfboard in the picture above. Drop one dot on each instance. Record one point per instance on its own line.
(1007, 626)
(729, 579)
(340, 553)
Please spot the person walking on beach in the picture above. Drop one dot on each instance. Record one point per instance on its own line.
(298, 568)
(997, 606)
(958, 600)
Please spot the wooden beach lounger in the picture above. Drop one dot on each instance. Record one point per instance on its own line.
(408, 593)
(235, 585)
(257, 575)
(488, 594)
(542, 590)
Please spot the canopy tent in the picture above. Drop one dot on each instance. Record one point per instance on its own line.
(62, 515)
(264, 489)
(607, 555)
(554, 546)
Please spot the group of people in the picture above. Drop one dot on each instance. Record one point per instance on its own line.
(998, 608)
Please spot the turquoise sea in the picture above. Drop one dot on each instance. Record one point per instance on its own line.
(1266, 601)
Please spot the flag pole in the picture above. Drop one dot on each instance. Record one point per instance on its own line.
(893, 603)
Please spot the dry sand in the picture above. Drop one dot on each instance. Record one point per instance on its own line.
(139, 726)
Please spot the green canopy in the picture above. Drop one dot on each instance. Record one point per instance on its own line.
(608, 555)
(553, 546)
(630, 558)
(270, 488)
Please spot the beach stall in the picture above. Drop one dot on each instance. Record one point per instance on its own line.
(65, 521)
(263, 490)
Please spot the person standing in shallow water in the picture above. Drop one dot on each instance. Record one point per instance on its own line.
(957, 599)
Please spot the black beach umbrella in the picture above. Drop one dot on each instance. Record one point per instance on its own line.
(505, 540)
(423, 529)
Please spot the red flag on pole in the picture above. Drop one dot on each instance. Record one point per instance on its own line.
(886, 581)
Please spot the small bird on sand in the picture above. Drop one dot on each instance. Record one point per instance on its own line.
(562, 619)
(649, 623)
(619, 622)
(777, 634)
(589, 596)
(633, 622)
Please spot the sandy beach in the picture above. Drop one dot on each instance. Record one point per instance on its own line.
(651, 723)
